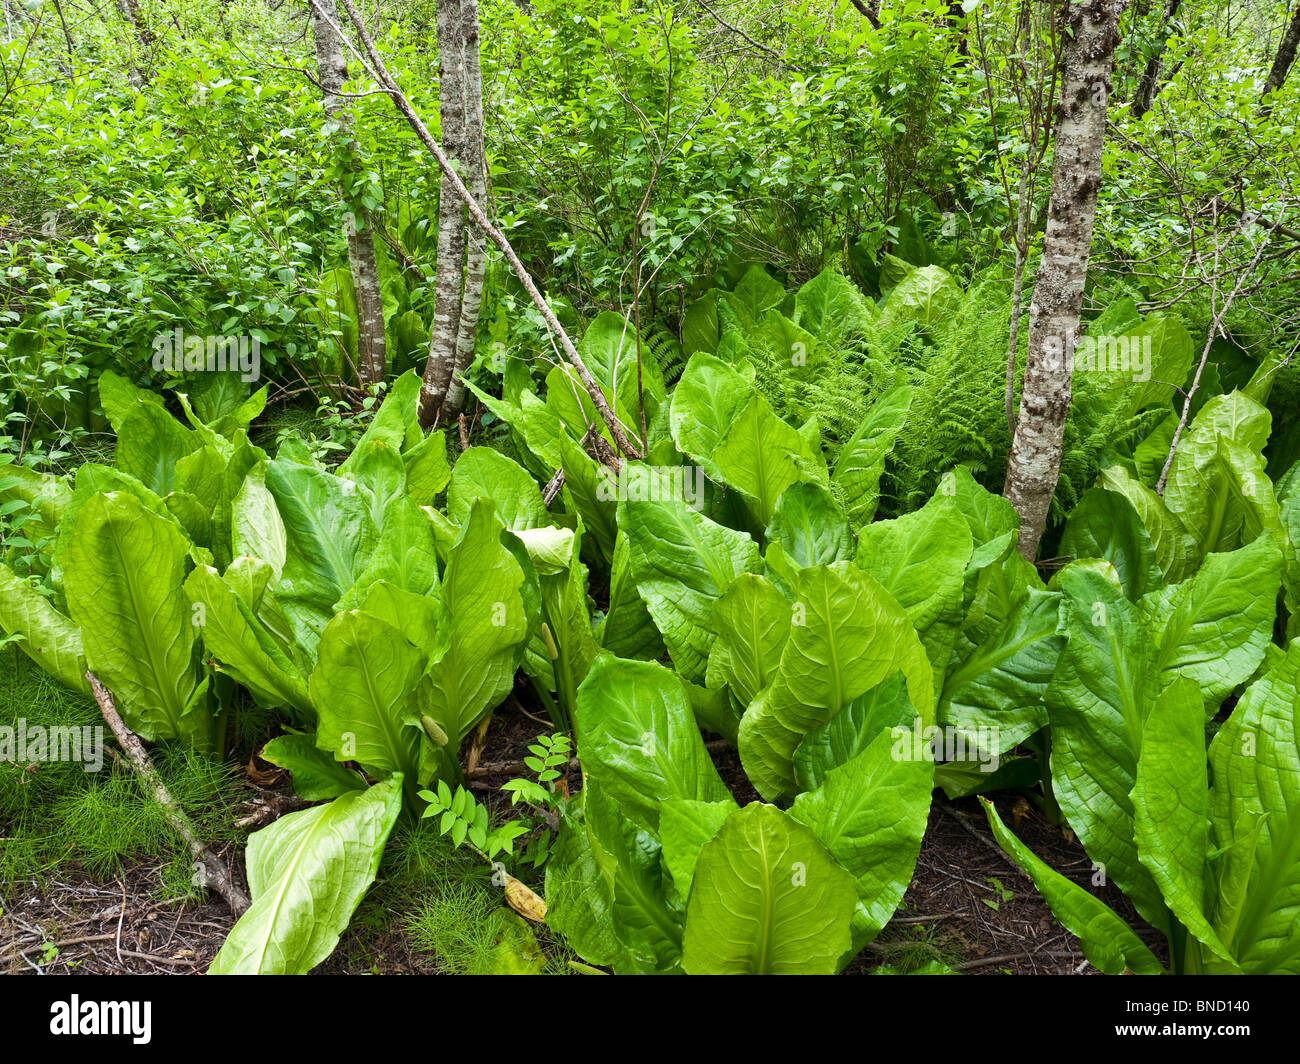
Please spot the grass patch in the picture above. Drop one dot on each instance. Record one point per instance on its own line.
(57, 817)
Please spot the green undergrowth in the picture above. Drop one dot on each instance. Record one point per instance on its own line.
(56, 818)
(443, 902)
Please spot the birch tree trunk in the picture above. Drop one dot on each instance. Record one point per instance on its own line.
(1149, 83)
(332, 72)
(462, 250)
(1285, 54)
(476, 181)
(1035, 461)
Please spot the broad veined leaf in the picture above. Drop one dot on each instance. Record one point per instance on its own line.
(328, 532)
(752, 621)
(928, 296)
(647, 916)
(243, 647)
(119, 397)
(1097, 702)
(1214, 627)
(847, 634)
(364, 688)
(580, 897)
(862, 459)
(1217, 488)
(1171, 807)
(256, 525)
(149, 444)
(307, 874)
(681, 562)
(378, 470)
(427, 470)
(639, 740)
(1105, 525)
(921, 560)
(1108, 942)
(810, 526)
(124, 571)
(609, 348)
(627, 629)
(405, 554)
(482, 592)
(1174, 547)
(766, 899)
(685, 825)
(706, 401)
(994, 692)
(47, 497)
(316, 775)
(49, 638)
(483, 473)
(1255, 819)
(870, 814)
(852, 730)
(586, 494)
(833, 308)
(755, 294)
(396, 422)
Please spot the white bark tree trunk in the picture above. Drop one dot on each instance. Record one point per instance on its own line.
(332, 72)
(1035, 460)
(462, 253)
(476, 181)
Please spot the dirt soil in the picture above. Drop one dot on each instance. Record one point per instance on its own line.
(968, 906)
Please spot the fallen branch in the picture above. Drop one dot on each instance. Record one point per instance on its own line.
(380, 73)
(212, 869)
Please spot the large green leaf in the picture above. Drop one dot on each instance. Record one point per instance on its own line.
(316, 775)
(484, 473)
(149, 444)
(1174, 547)
(810, 526)
(1255, 818)
(928, 296)
(685, 825)
(639, 741)
(482, 592)
(243, 646)
(328, 532)
(994, 691)
(256, 525)
(1098, 701)
(870, 813)
(124, 571)
(681, 562)
(854, 728)
(833, 308)
(627, 629)
(1214, 627)
(847, 634)
(396, 422)
(752, 621)
(862, 459)
(364, 688)
(1105, 525)
(1171, 807)
(307, 873)
(766, 899)
(49, 638)
(755, 294)
(921, 559)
